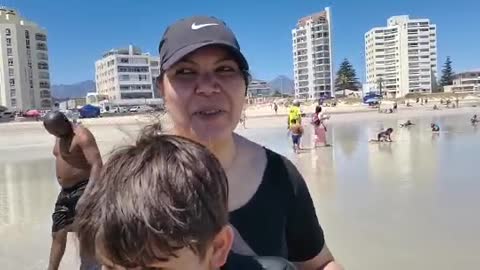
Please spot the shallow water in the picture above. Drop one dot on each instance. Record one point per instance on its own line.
(410, 204)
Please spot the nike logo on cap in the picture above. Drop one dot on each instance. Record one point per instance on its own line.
(196, 26)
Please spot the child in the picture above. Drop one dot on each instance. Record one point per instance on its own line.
(160, 204)
(407, 124)
(435, 127)
(474, 120)
(385, 135)
(297, 131)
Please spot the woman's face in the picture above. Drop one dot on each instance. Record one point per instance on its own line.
(204, 94)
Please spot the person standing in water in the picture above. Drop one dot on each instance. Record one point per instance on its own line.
(320, 130)
(294, 113)
(203, 80)
(77, 161)
(296, 131)
(435, 127)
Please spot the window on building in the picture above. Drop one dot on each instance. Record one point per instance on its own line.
(41, 46)
(9, 41)
(13, 102)
(13, 92)
(40, 37)
(123, 60)
(10, 62)
(9, 51)
(27, 34)
(12, 82)
(11, 72)
(42, 65)
(8, 32)
(44, 94)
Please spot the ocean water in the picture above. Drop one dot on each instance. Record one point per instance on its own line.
(410, 204)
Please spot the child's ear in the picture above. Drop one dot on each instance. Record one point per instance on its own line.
(221, 244)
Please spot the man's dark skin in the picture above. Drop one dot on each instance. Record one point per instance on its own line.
(77, 159)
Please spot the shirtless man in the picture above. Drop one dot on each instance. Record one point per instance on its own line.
(77, 161)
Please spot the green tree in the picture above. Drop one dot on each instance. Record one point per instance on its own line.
(447, 73)
(346, 77)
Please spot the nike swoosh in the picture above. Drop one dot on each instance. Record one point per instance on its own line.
(200, 26)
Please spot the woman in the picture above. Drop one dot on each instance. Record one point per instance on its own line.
(203, 81)
(318, 121)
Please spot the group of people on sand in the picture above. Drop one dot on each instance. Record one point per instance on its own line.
(198, 196)
(385, 136)
(296, 129)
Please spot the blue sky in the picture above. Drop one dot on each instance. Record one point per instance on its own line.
(80, 31)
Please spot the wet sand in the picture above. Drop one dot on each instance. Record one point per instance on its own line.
(410, 204)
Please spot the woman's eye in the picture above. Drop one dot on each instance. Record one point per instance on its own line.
(225, 69)
(184, 71)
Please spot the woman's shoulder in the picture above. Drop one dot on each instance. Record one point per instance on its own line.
(276, 166)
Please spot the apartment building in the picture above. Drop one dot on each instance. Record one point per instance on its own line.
(127, 74)
(465, 82)
(258, 88)
(312, 56)
(401, 58)
(24, 70)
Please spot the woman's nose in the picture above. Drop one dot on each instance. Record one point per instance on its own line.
(207, 84)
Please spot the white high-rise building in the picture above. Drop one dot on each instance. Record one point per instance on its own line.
(312, 56)
(402, 57)
(24, 72)
(127, 73)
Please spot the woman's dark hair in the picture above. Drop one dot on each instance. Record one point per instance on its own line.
(318, 109)
(153, 198)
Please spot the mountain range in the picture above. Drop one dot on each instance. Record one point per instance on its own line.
(75, 90)
(282, 84)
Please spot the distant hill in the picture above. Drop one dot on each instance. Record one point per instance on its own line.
(76, 90)
(283, 84)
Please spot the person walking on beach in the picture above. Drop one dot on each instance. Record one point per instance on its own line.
(296, 131)
(203, 81)
(319, 127)
(435, 127)
(275, 107)
(77, 161)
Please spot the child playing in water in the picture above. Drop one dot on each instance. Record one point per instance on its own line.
(384, 136)
(296, 131)
(474, 120)
(161, 204)
(407, 124)
(435, 127)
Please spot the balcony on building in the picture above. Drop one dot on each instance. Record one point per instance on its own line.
(42, 46)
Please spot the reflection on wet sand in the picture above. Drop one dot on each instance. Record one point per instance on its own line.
(410, 204)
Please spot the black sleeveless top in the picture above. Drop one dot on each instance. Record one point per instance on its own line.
(280, 220)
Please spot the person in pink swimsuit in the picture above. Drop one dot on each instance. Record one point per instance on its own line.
(318, 121)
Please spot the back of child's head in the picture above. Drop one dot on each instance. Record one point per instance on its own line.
(163, 194)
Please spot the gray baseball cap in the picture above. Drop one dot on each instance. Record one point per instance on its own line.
(190, 34)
